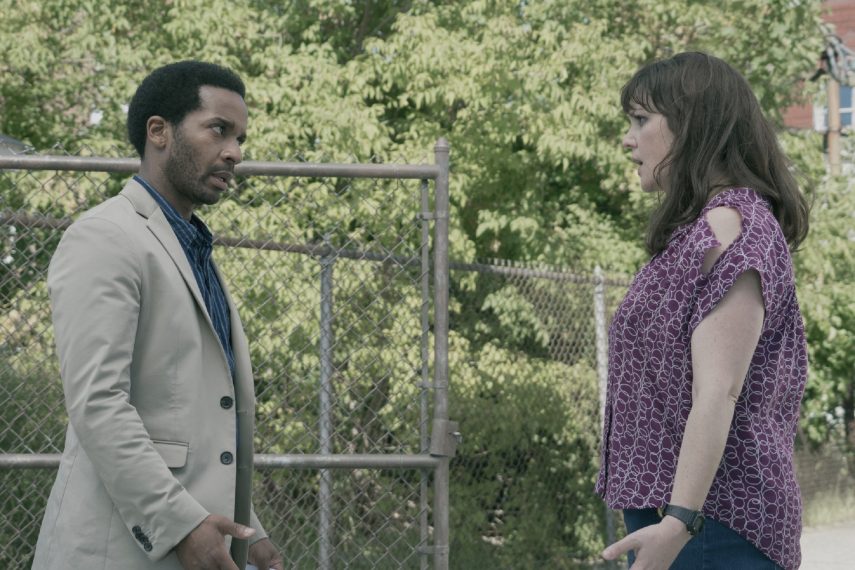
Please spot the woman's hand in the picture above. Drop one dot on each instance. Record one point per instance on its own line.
(656, 546)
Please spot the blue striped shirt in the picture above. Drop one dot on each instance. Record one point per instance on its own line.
(197, 242)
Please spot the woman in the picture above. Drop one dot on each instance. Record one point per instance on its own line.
(707, 357)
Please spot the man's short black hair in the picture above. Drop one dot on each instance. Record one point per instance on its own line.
(172, 91)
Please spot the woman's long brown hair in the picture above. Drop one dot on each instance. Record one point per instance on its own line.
(721, 139)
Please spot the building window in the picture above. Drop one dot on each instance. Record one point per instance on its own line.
(820, 113)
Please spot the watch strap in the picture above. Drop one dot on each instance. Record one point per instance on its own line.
(693, 520)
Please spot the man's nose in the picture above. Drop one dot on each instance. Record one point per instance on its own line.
(232, 152)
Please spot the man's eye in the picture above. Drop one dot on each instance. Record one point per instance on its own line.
(218, 129)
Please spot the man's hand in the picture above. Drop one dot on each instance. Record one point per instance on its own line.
(656, 546)
(265, 556)
(205, 547)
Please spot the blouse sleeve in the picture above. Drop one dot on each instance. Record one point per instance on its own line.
(751, 250)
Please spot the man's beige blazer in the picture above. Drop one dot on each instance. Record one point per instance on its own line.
(154, 416)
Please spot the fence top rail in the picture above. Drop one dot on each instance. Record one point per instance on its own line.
(533, 272)
(248, 168)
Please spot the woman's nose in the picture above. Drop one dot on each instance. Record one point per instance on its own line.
(628, 141)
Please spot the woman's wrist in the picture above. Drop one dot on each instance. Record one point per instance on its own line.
(675, 527)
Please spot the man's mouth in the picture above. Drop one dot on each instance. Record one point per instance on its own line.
(222, 178)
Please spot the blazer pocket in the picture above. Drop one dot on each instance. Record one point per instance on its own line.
(174, 453)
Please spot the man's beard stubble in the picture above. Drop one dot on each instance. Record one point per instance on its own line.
(183, 173)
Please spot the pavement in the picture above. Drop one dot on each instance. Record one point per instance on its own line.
(829, 547)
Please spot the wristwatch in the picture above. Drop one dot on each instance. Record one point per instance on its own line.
(693, 520)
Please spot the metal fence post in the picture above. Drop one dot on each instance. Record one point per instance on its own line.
(440, 412)
(602, 338)
(325, 419)
(602, 368)
(424, 404)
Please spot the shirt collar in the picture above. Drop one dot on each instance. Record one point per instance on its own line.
(195, 229)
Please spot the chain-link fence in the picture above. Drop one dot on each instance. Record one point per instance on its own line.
(340, 275)
(331, 268)
(528, 368)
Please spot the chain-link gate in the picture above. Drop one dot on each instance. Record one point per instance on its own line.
(347, 315)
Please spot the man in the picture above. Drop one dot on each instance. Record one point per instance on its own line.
(156, 472)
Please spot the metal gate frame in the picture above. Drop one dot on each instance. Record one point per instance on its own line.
(438, 448)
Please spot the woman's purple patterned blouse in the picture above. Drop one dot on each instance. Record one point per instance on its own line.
(754, 492)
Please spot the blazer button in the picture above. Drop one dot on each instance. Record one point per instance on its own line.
(136, 530)
(226, 402)
(147, 547)
(226, 458)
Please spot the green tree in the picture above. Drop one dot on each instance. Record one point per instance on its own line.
(528, 94)
(826, 271)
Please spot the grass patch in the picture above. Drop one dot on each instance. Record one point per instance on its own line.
(828, 508)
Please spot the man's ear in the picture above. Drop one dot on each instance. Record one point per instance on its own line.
(157, 131)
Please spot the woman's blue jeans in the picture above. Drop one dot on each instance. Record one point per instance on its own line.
(715, 547)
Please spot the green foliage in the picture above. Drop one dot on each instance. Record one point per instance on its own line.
(526, 92)
(826, 271)
(523, 480)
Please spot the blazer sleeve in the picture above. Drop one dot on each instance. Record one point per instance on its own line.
(256, 524)
(94, 281)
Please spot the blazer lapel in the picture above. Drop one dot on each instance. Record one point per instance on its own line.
(240, 348)
(159, 226)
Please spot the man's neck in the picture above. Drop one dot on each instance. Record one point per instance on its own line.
(157, 181)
